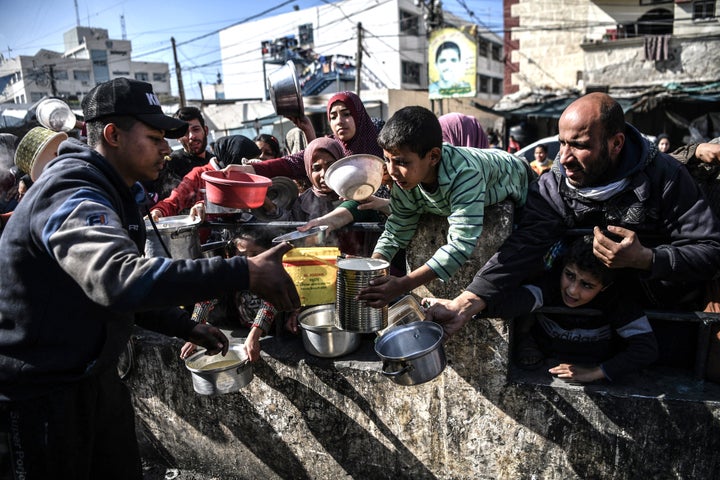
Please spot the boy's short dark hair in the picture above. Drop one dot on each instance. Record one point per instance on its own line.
(94, 128)
(416, 128)
(190, 113)
(580, 253)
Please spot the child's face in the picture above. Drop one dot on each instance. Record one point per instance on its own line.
(266, 151)
(321, 161)
(578, 287)
(409, 170)
(247, 247)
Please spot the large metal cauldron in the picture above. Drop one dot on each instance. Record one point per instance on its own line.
(176, 237)
(353, 275)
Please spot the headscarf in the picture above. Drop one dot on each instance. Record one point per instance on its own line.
(330, 145)
(295, 140)
(233, 148)
(365, 139)
(463, 131)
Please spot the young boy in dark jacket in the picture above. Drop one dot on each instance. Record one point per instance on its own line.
(608, 337)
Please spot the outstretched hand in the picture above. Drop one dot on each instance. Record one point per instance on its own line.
(626, 253)
(270, 281)
(453, 314)
(577, 373)
(381, 291)
(209, 337)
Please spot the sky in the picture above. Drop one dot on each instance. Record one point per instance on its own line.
(27, 26)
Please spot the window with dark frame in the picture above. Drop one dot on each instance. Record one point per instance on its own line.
(410, 72)
(703, 9)
(409, 23)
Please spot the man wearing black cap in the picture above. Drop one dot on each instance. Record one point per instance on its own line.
(74, 283)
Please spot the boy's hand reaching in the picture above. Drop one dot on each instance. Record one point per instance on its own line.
(382, 290)
(577, 373)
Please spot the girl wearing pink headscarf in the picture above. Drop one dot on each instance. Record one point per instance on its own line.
(463, 131)
(320, 199)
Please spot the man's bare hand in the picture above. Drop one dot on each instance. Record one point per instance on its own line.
(708, 153)
(209, 337)
(270, 281)
(453, 314)
(627, 253)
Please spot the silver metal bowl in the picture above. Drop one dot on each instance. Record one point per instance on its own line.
(215, 374)
(321, 337)
(355, 177)
(311, 238)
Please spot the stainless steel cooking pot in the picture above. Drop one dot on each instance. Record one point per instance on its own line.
(285, 92)
(321, 337)
(175, 237)
(412, 354)
(215, 374)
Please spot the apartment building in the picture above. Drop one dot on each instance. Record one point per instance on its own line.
(660, 58)
(90, 57)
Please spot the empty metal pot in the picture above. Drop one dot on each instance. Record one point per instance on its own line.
(412, 354)
(321, 337)
(176, 237)
(285, 92)
(353, 275)
(215, 374)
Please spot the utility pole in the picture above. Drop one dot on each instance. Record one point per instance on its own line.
(53, 87)
(358, 62)
(178, 74)
(202, 95)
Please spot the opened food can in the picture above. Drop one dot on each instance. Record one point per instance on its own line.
(353, 275)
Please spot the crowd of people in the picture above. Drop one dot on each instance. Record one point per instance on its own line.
(648, 238)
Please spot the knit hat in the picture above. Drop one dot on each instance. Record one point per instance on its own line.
(122, 96)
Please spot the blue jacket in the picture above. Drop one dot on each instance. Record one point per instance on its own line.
(661, 203)
(74, 278)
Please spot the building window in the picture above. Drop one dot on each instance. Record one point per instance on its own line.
(411, 72)
(60, 74)
(497, 86)
(142, 76)
(483, 84)
(81, 75)
(703, 9)
(306, 35)
(409, 23)
(159, 77)
(497, 52)
(482, 47)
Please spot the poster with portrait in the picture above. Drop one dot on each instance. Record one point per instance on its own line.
(452, 61)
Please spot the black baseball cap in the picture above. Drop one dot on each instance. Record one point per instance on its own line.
(122, 96)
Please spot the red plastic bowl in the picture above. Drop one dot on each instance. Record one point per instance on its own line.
(234, 189)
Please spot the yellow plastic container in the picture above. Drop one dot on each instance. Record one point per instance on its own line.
(314, 273)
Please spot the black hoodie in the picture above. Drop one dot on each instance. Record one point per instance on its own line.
(74, 279)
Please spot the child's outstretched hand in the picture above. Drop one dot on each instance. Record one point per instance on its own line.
(567, 371)
(188, 349)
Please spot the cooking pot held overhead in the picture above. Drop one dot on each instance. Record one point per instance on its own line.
(285, 92)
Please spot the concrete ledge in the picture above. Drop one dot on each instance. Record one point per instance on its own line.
(307, 417)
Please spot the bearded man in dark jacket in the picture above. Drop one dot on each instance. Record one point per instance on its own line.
(646, 212)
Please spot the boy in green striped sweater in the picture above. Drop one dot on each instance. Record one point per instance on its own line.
(437, 178)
